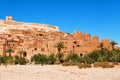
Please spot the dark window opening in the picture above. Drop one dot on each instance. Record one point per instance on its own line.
(35, 49)
(24, 54)
(75, 42)
(40, 34)
(81, 54)
(78, 45)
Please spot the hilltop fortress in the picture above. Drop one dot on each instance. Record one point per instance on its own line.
(10, 24)
(41, 38)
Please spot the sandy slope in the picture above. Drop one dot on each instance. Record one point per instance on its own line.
(57, 72)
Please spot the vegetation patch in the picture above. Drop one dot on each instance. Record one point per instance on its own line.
(84, 65)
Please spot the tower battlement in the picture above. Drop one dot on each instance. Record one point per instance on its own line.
(8, 18)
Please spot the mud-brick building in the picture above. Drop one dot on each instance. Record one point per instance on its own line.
(41, 38)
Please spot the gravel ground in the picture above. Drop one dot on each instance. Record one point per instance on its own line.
(57, 72)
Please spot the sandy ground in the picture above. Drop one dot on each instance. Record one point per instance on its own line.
(57, 72)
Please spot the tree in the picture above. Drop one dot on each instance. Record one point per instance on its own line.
(59, 46)
(9, 50)
(113, 43)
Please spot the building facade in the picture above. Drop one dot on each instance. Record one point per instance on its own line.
(41, 38)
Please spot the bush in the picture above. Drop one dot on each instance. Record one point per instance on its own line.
(96, 64)
(20, 60)
(102, 56)
(87, 59)
(51, 59)
(84, 66)
(16, 59)
(106, 65)
(69, 64)
(8, 60)
(115, 56)
(116, 63)
(60, 57)
(72, 57)
(39, 59)
(103, 64)
(1, 60)
(66, 64)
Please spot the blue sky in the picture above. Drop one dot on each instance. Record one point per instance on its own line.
(97, 17)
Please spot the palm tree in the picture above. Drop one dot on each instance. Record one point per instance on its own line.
(59, 46)
(21, 52)
(9, 50)
(101, 46)
(113, 43)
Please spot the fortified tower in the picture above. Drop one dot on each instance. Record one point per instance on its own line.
(8, 18)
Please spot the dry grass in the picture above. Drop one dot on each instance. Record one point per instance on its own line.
(103, 64)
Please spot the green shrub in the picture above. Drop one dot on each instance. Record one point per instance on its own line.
(20, 60)
(87, 59)
(60, 57)
(51, 59)
(16, 59)
(39, 59)
(103, 55)
(1, 60)
(8, 60)
(72, 57)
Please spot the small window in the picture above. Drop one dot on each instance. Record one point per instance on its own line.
(40, 34)
(24, 54)
(75, 42)
(35, 49)
(81, 54)
(78, 45)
